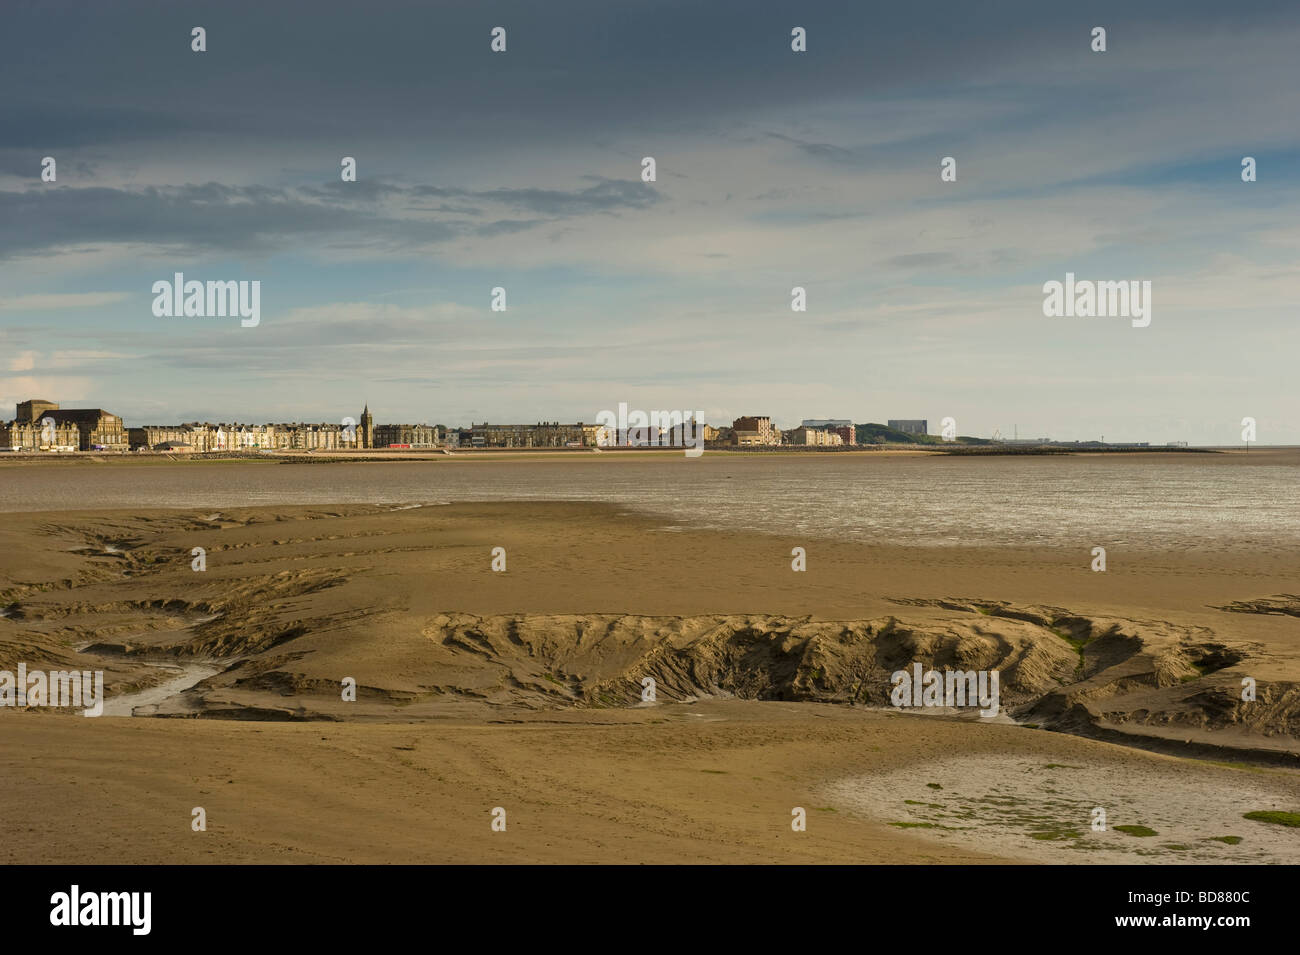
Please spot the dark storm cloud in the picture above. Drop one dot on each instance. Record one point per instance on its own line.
(606, 195)
(206, 217)
(84, 78)
(248, 219)
(70, 120)
(77, 74)
(26, 163)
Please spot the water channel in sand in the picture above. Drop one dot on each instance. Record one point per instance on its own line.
(147, 701)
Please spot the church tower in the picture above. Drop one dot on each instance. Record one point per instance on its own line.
(366, 432)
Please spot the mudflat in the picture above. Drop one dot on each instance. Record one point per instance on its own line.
(522, 689)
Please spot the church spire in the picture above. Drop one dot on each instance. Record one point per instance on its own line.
(367, 431)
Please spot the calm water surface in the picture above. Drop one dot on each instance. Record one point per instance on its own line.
(1220, 501)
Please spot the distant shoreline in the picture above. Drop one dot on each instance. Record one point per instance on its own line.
(398, 455)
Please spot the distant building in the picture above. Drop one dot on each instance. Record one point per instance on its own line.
(754, 432)
(32, 410)
(661, 430)
(153, 437)
(301, 436)
(43, 426)
(407, 435)
(205, 436)
(288, 436)
(814, 437)
(910, 425)
(248, 437)
(841, 426)
(847, 431)
(543, 434)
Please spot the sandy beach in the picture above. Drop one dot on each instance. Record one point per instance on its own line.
(521, 689)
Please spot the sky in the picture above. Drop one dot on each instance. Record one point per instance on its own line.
(774, 169)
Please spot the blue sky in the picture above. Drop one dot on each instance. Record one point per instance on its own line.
(775, 169)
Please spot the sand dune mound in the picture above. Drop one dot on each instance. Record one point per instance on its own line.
(1056, 668)
(603, 659)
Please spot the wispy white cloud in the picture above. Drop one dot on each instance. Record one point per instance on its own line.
(41, 302)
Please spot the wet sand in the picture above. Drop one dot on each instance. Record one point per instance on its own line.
(479, 689)
(711, 782)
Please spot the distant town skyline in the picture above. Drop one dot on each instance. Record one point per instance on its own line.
(430, 432)
(522, 170)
